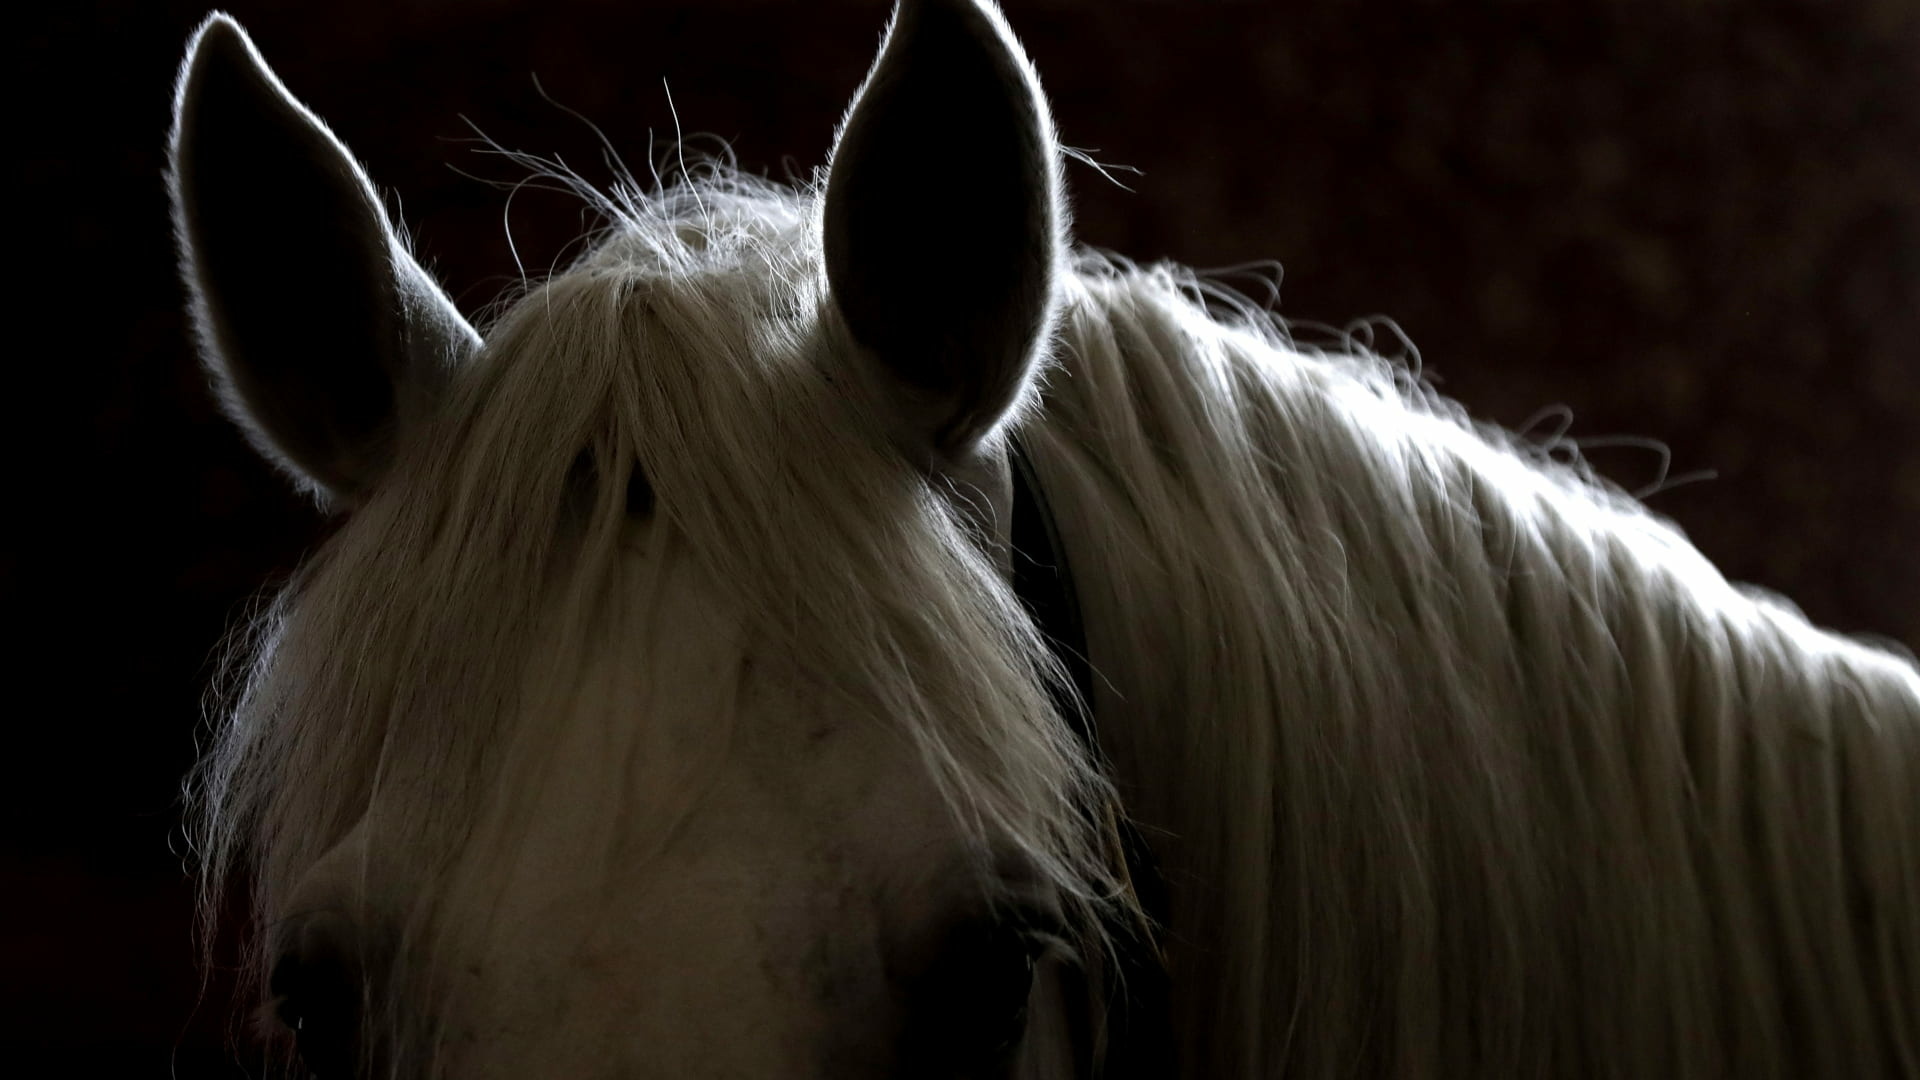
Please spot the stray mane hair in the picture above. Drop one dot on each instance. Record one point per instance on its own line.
(1456, 760)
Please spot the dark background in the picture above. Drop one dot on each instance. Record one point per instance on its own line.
(1695, 222)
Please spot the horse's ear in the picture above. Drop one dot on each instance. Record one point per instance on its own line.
(943, 224)
(322, 334)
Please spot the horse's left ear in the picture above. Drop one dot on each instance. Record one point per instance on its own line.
(943, 223)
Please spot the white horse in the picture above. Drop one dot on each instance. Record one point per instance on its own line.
(676, 697)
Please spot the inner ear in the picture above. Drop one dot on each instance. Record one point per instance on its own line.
(943, 226)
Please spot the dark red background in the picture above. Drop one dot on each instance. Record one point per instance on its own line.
(1697, 222)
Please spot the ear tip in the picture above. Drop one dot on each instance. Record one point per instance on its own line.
(982, 19)
(225, 82)
(219, 39)
(218, 46)
(930, 35)
(970, 7)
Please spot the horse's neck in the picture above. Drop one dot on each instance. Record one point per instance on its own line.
(1416, 743)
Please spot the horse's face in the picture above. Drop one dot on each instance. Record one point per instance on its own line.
(689, 868)
(681, 847)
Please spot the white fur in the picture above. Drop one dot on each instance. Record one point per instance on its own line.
(1457, 762)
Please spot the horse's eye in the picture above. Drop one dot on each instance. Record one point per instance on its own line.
(317, 989)
(583, 479)
(969, 1011)
(639, 494)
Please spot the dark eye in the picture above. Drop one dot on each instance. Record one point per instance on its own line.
(639, 494)
(317, 988)
(583, 480)
(969, 1008)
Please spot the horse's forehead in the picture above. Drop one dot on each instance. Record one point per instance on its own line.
(737, 897)
(660, 738)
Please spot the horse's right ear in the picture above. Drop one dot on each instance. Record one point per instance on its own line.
(322, 333)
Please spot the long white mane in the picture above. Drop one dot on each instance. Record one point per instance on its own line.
(1456, 761)
(1465, 764)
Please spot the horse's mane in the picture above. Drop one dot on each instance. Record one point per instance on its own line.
(1469, 764)
(1461, 755)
